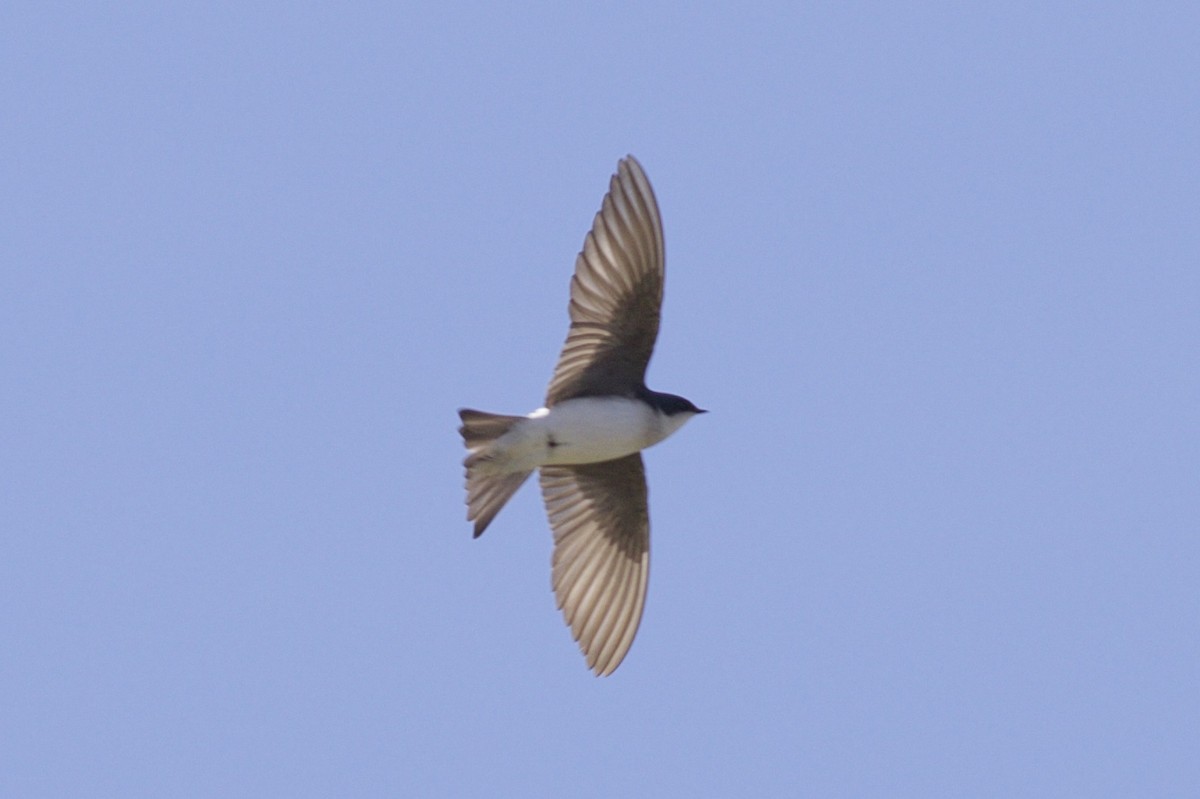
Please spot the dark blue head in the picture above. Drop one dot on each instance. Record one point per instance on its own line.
(670, 404)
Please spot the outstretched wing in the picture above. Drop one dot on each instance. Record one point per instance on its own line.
(616, 294)
(601, 561)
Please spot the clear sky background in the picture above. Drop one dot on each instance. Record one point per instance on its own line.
(935, 270)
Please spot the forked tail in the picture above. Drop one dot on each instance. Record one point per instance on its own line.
(487, 490)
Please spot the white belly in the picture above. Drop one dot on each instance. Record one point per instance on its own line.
(586, 430)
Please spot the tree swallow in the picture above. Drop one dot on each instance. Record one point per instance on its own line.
(598, 417)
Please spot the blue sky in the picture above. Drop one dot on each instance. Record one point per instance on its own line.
(933, 268)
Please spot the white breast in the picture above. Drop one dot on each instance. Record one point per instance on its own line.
(585, 430)
(593, 429)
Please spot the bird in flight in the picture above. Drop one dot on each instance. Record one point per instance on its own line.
(587, 439)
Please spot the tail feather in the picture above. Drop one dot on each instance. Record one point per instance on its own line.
(481, 427)
(487, 493)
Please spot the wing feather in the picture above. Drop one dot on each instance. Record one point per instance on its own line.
(600, 568)
(616, 294)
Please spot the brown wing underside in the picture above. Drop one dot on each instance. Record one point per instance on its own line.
(616, 294)
(601, 563)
